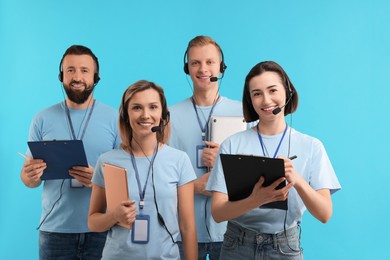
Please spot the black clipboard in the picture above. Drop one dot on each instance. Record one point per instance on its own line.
(242, 172)
(59, 156)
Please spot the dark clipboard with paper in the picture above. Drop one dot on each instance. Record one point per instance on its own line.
(242, 172)
(59, 156)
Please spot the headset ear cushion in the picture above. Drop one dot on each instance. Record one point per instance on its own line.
(60, 76)
(96, 78)
(186, 70)
(222, 67)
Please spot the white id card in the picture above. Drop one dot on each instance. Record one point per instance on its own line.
(75, 184)
(140, 229)
(199, 154)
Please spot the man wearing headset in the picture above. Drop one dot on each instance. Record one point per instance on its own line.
(204, 63)
(65, 202)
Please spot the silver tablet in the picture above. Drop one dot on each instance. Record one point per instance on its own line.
(221, 127)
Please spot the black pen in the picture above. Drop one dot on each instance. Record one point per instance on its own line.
(293, 157)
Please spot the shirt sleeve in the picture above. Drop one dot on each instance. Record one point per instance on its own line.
(322, 174)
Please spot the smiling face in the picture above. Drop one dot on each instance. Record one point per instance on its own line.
(78, 77)
(144, 111)
(267, 93)
(203, 63)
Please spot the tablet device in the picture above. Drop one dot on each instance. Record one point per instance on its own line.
(242, 172)
(221, 127)
(60, 156)
(116, 188)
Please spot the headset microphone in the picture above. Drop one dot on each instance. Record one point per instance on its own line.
(214, 79)
(156, 129)
(278, 109)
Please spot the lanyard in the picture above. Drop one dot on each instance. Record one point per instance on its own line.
(263, 145)
(85, 125)
(140, 190)
(203, 128)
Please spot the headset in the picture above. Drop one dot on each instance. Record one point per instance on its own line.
(125, 116)
(289, 90)
(289, 95)
(96, 77)
(222, 65)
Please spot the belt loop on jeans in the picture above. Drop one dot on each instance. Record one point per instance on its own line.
(237, 229)
(241, 237)
(275, 241)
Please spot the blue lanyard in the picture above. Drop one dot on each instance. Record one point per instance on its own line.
(86, 122)
(261, 140)
(140, 190)
(203, 128)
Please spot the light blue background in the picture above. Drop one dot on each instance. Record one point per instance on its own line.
(336, 53)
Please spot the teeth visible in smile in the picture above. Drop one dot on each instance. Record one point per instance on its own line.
(145, 124)
(268, 108)
(77, 85)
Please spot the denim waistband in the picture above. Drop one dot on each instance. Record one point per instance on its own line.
(251, 236)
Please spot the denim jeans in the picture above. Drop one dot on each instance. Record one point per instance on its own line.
(212, 250)
(242, 243)
(67, 246)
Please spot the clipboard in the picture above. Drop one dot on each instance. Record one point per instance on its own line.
(242, 172)
(60, 156)
(115, 182)
(221, 127)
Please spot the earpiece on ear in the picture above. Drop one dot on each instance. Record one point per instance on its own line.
(123, 113)
(96, 78)
(186, 70)
(60, 76)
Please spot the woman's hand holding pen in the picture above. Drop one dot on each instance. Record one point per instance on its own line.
(317, 202)
(289, 170)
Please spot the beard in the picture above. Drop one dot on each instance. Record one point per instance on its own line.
(77, 96)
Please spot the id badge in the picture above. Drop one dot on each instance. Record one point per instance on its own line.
(199, 154)
(75, 184)
(140, 229)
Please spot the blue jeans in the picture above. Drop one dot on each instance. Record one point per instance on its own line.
(242, 243)
(212, 250)
(67, 246)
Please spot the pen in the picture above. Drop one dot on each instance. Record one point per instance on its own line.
(293, 157)
(25, 157)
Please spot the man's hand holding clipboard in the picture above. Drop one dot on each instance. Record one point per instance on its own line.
(32, 170)
(61, 156)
